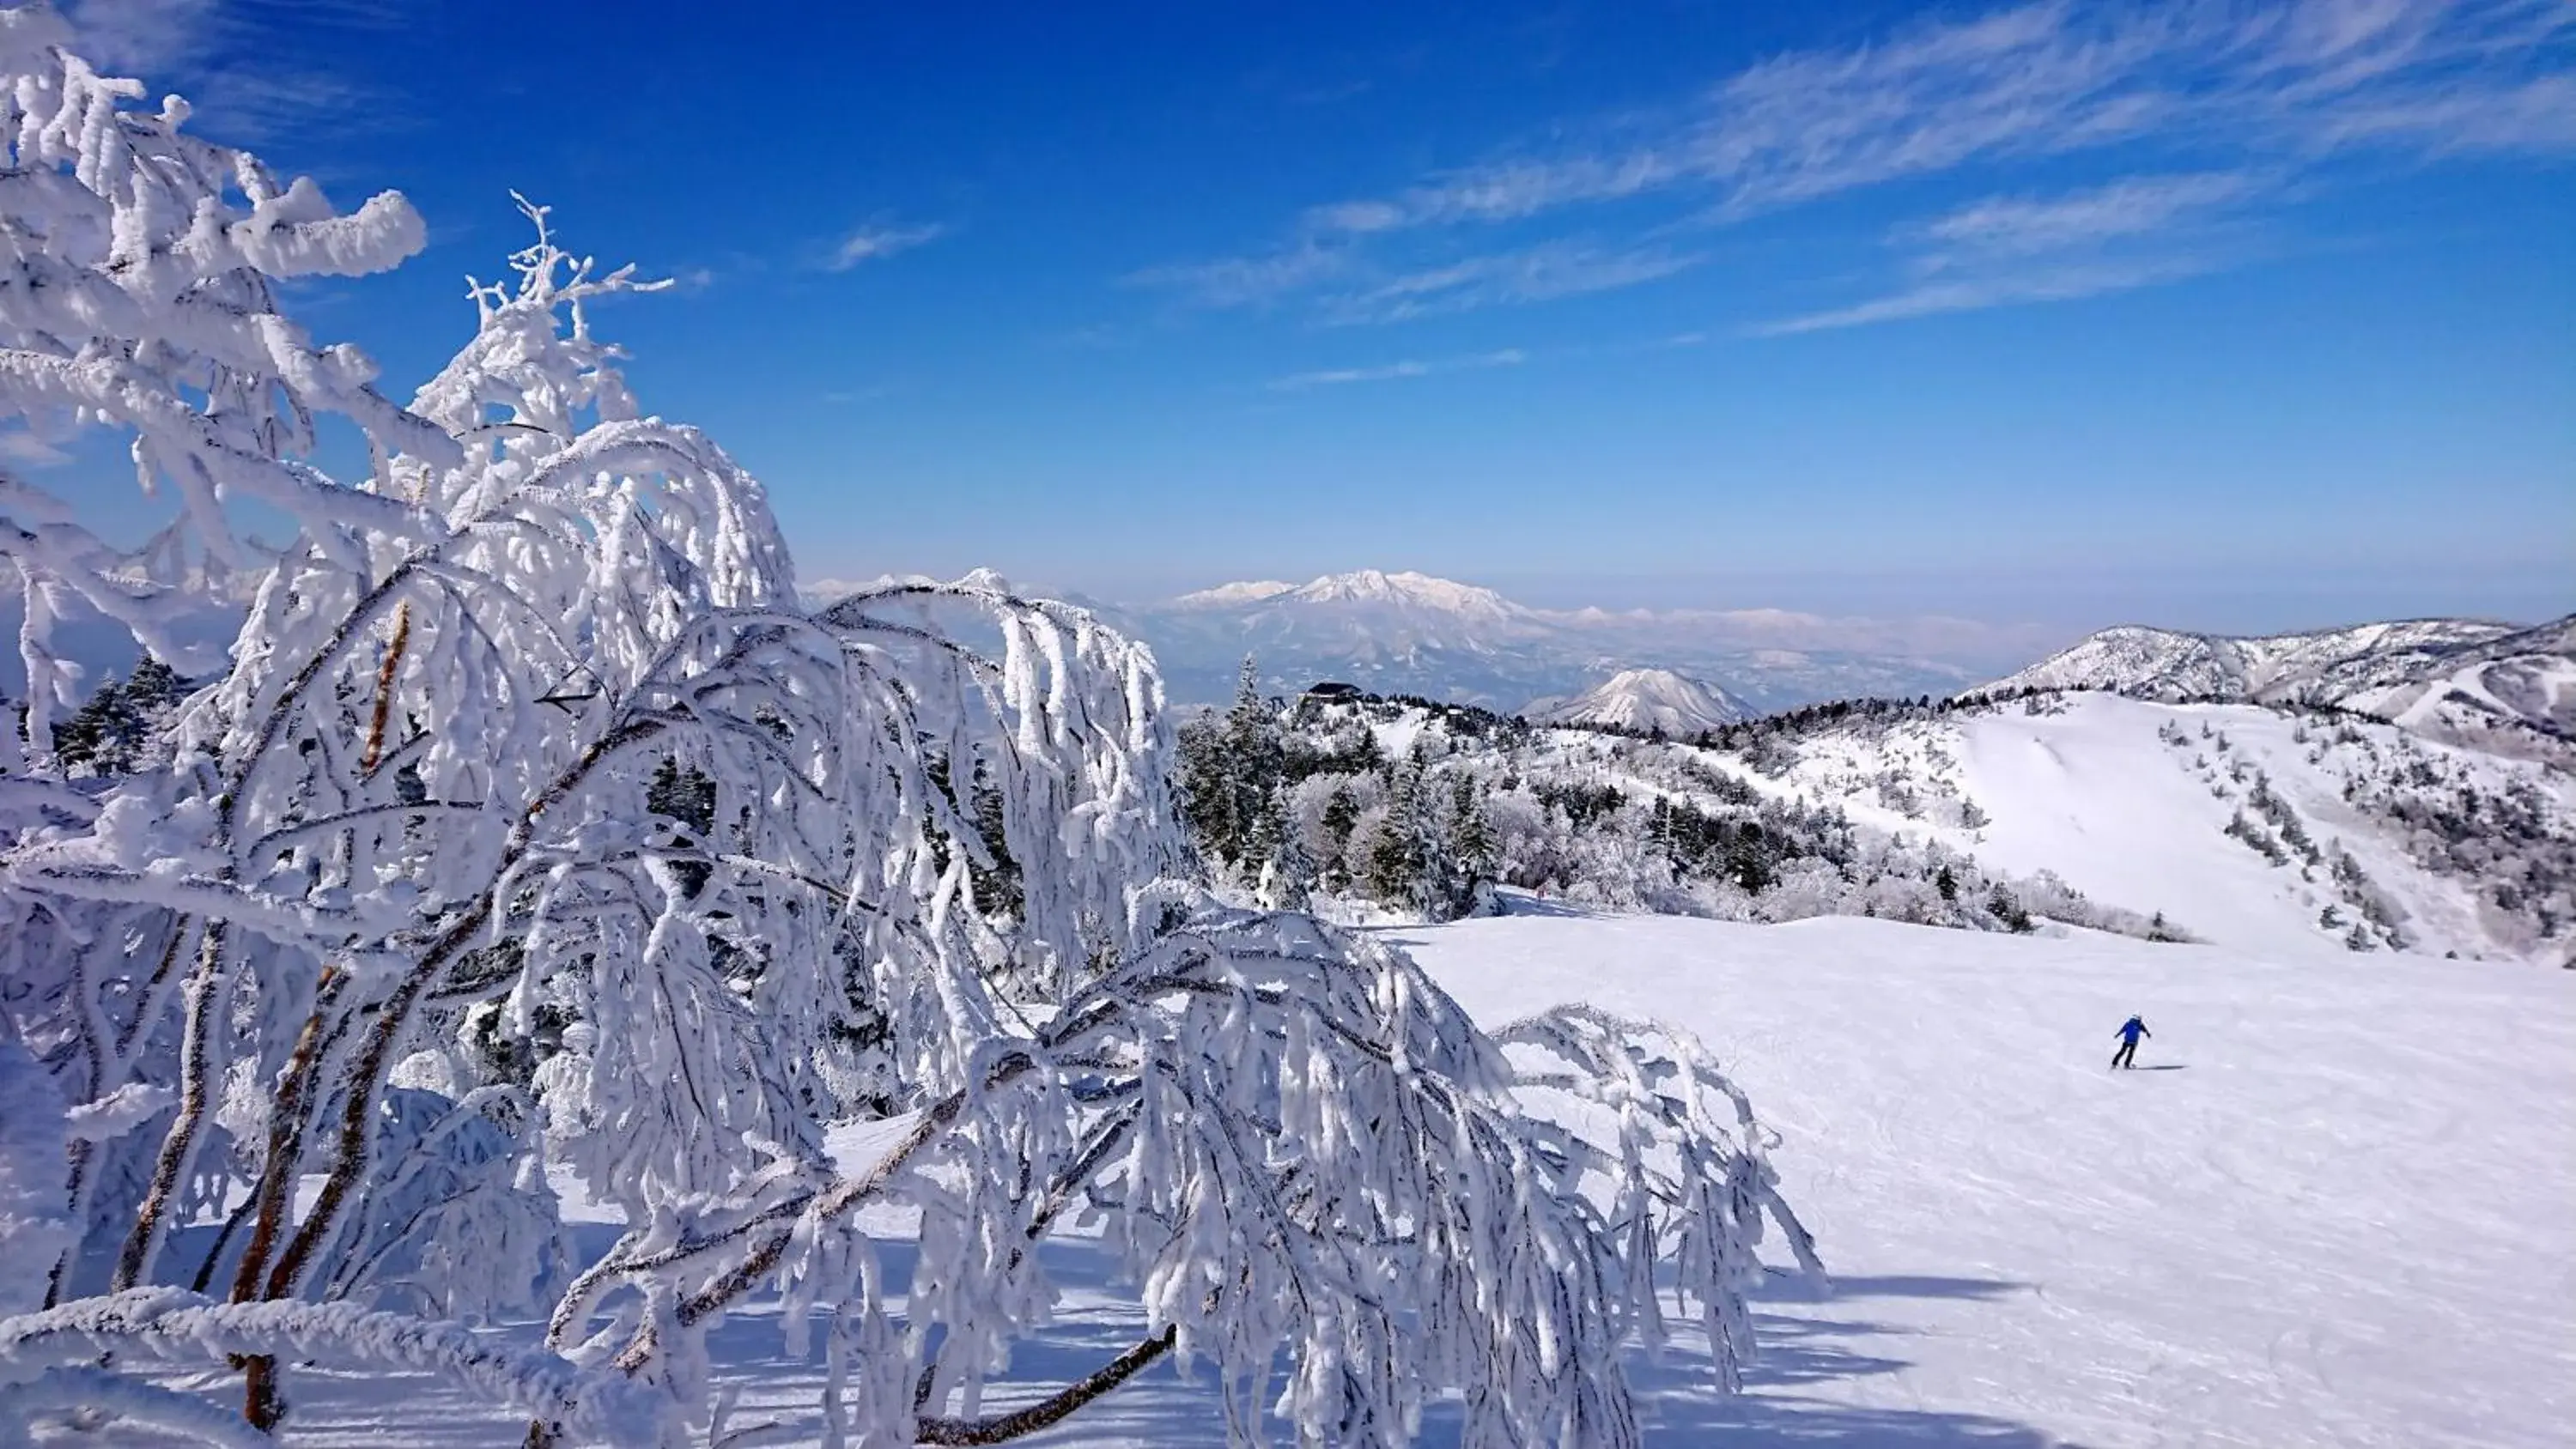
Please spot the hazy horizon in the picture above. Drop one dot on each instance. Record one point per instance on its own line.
(2218, 601)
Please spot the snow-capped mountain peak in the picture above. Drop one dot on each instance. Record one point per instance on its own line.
(1645, 699)
(1411, 591)
(1403, 632)
(1234, 595)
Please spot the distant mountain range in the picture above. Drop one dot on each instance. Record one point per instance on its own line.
(1410, 633)
(2467, 680)
(2496, 685)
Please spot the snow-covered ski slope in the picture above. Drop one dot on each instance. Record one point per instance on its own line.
(2129, 802)
(2332, 1210)
(2329, 1210)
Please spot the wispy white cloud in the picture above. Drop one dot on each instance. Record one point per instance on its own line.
(2053, 78)
(1349, 288)
(2268, 91)
(2138, 206)
(876, 242)
(2057, 283)
(1535, 274)
(2010, 250)
(1342, 376)
(28, 450)
(1250, 281)
(147, 38)
(210, 51)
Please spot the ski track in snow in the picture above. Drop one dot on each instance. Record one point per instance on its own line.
(2330, 1211)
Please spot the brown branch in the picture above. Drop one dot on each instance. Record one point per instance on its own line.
(260, 1402)
(1053, 1409)
(385, 689)
(286, 1122)
(215, 1255)
(291, 699)
(358, 1107)
(365, 1077)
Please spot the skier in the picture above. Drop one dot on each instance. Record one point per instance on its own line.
(2129, 1032)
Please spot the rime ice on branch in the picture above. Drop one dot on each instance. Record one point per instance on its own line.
(531, 820)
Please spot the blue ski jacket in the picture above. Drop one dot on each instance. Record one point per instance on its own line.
(2132, 1029)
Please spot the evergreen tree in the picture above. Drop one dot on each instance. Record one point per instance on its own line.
(107, 734)
(998, 889)
(1287, 872)
(1341, 817)
(2008, 910)
(1232, 768)
(683, 793)
(1207, 794)
(1255, 768)
(1471, 836)
(1398, 859)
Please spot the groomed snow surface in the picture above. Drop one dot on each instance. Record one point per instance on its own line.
(2330, 1209)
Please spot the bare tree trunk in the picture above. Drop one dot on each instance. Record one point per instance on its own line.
(285, 1149)
(359, 1092)
(180, 1145)
(261, 1404)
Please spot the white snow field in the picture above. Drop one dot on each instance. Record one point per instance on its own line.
(2331, 1209)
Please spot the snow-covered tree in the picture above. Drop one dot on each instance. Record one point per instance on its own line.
(1233, 769)
(529, 820)
(1288, 875)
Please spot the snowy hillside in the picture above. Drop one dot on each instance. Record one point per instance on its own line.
(1643, 700)
(2325, 1214)
(2245, 825)
(2457, 679)
(1411, 633)
(2256, 826)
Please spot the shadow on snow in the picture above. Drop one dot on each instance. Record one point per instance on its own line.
(775, 1398)
(1798, 1355)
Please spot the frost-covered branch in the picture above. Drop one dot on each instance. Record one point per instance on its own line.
(530, 823)
(183, 1328)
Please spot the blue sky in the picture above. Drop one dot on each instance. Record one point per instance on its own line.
(2218, 315)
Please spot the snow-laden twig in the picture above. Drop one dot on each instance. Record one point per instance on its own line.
(184, 1328)
(95, 1397)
